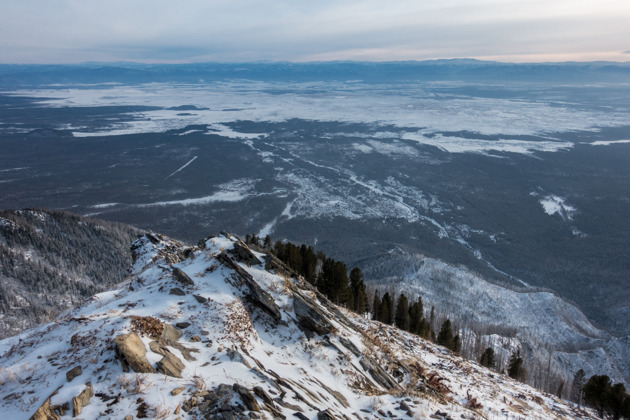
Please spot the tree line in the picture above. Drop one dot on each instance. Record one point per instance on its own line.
(331, 277)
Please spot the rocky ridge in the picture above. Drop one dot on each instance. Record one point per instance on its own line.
(219, 331)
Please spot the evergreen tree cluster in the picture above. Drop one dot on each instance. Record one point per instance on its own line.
(406, 316)
(328, 275)
(51, 260)
(606, 397)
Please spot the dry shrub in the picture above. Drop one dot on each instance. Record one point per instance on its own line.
(148, 325)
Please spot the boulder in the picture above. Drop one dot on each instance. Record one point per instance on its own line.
(73, 373)
(310, 317)
(171, 365)
(82, 399)
(158, 348)
(177, 291)
(132, 351)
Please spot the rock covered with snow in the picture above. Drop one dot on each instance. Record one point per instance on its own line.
(257, 344)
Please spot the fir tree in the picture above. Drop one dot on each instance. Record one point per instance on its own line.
(445, 337)
(387, 309)
(515, 367)
(402, 313)
(376, 306)
(596, 392)
(488, 358)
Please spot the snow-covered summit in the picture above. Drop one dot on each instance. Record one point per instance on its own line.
(223, 332)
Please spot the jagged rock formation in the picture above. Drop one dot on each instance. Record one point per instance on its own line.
(258, 344)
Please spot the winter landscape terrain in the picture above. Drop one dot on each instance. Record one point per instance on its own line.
(497, 192)
(209, 332)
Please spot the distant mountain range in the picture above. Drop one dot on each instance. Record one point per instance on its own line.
(371, 72)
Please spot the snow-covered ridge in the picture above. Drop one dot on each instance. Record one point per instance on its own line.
(219, 330)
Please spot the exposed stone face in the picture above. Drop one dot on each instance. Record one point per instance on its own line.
(310, 317)
(133, 353)
(378, 373)
(235, 356)
(82, 399)
(182, 277)
(243, 254)
(73, 373)
(247, 397)
(258, 296)
(171, 365)
(45, 412)
(326, 415)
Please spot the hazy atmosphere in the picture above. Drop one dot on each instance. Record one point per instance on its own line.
(68, 31)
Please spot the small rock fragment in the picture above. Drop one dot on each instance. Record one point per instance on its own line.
(177, 391)
(200, 299)
(195, 338)
(182, 325)
(177, 291)
(73, 373)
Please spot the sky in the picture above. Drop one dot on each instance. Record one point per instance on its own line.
(150, 31)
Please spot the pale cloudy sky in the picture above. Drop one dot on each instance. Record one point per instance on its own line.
(71, 31)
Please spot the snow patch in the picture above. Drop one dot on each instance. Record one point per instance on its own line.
(552, 204)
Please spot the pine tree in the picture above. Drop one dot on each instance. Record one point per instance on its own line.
(488, 358)
(596, 392)
(515, 366)
(615, 400)
(445, 337)
(457, 344)
(402, 313)
(415, 317)
(387, 309)
(267, 243)
(376, 306)
(358, 290)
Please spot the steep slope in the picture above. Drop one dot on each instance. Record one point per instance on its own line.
(51, 260)
(218, 331)
(554, 335)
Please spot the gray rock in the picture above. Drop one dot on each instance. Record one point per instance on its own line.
(379, 374)
(183, 325)
(200, 299)
(177, 291)
(310, 317)
(326, 415)
(300, 416)
(243, 254)
(171, 334)
(132, 351)
(182, 277)
(171, 365)
(73, 373)
(350, 346)
(235, 356)
(82, 399)
(247, 397)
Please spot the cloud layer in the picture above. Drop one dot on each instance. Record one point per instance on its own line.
(249, 30)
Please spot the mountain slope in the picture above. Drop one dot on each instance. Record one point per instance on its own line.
(52, 260)
(218, 331)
